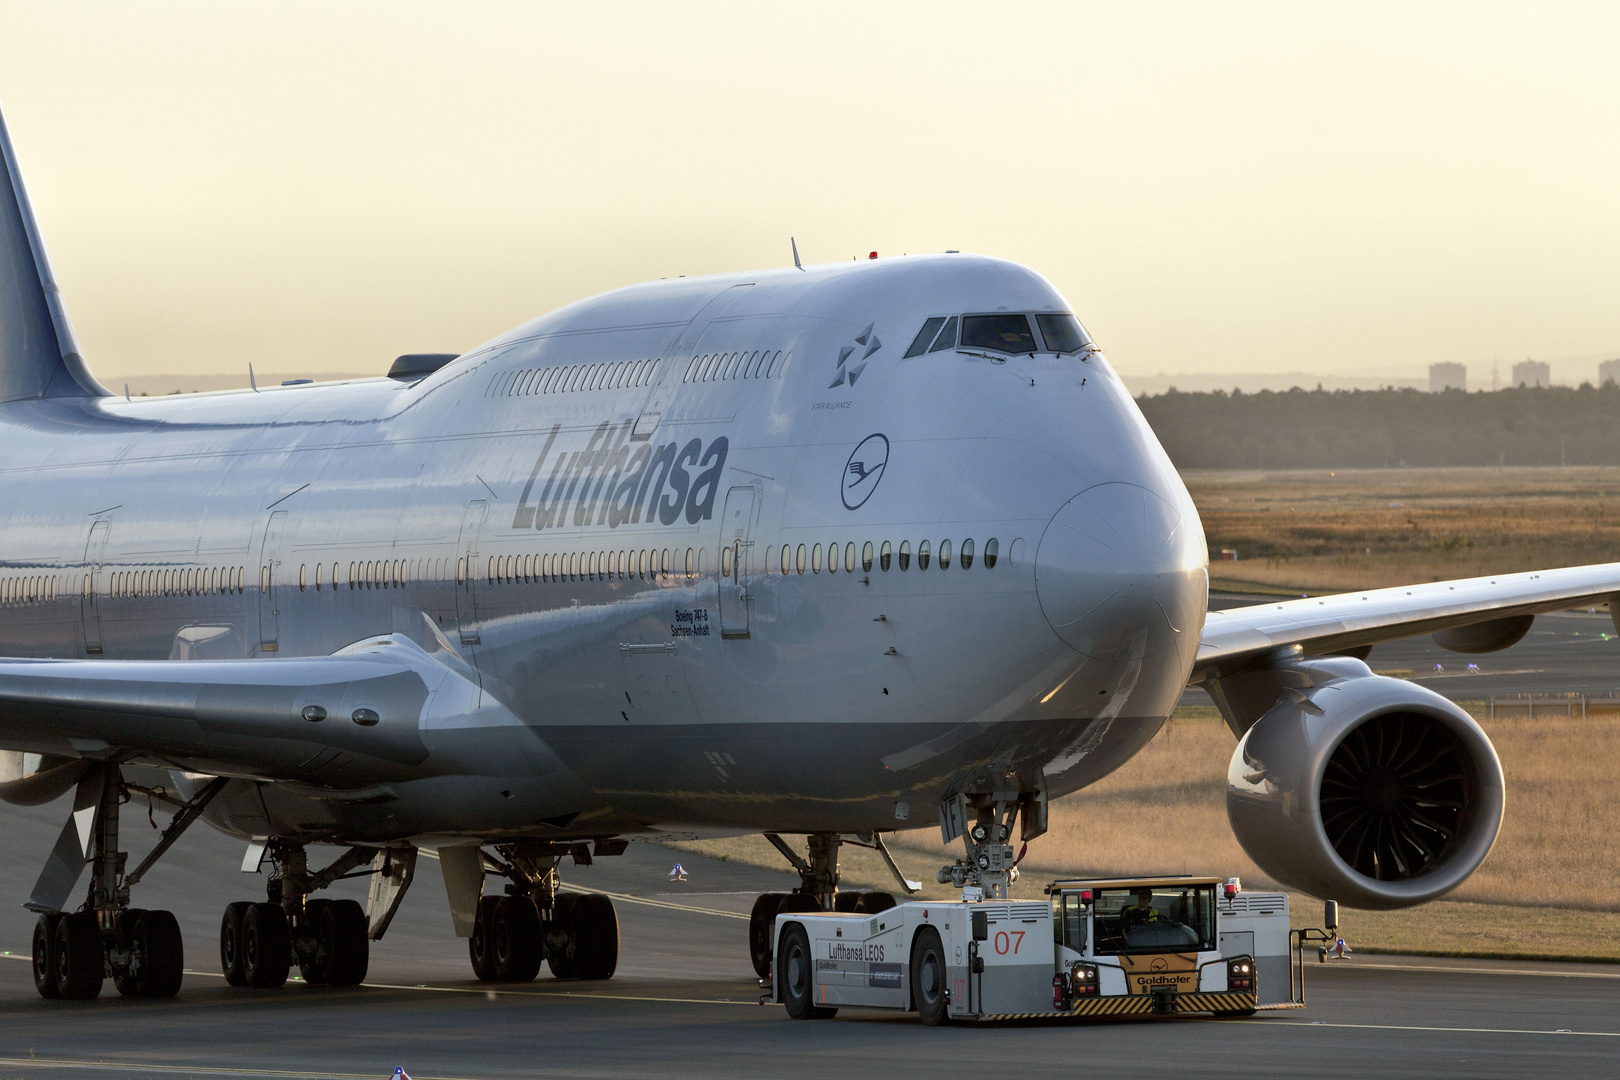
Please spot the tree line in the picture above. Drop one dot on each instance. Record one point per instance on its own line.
(1369, 429)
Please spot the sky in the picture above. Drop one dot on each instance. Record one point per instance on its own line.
(1257, 187)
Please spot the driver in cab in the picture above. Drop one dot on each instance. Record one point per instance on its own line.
(1142, 912)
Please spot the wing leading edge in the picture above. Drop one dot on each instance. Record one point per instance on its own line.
(1331, 624)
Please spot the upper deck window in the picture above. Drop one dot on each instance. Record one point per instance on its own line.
(1063, 333)
(998, 333)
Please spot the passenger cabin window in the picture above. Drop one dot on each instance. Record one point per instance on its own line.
(1063, 333)
(998, 333)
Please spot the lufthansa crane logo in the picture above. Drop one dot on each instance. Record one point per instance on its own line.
(864, 469)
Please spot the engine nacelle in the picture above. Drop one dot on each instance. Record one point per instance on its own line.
(36, 779)
(1364, 789)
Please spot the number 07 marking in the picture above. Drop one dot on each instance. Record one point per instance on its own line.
(1006, 944)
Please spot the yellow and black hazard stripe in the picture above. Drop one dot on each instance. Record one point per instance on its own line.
(1139, 1005)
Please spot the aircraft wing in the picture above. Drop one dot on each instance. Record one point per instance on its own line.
(1346, 621)
(272, 719)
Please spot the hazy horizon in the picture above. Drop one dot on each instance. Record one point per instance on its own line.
(1244, 188)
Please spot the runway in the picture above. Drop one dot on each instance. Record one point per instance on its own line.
(684, 1002)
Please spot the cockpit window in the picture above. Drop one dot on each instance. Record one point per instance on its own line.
(925, 337)
(947, 337)
(998, 333)
(1063, 333)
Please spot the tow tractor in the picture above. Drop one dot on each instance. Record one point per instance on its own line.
(1138, 946)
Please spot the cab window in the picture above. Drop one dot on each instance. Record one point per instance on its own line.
(1063, 333)
(998, 333)
(1173, 919)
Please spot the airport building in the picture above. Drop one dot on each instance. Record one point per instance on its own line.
(1447, 377)
(1532, 373)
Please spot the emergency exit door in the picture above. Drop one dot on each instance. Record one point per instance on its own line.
(95, 550)
(270, 560)
(736, 562)
(468, 573)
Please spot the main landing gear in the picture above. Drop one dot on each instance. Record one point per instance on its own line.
(329, 940)
(817, 891)
(576, 935)
(76, 952)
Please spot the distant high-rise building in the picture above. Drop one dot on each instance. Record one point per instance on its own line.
(1532, 373)
(1447, 377)
(1609, 371)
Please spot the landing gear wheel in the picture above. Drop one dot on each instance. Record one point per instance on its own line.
(560, 938)
(478, 944)
(45, 955)
(761, 929)
(124, 981)
(848, 902)
(230, 943)
(515, 939)
(928, 977)
(874, 902)
(342, 934)
(266, 946)
(595, 930)
(478, 950)
(80, 958)
(312, 965)
(793, 979)
(795, 903)
(157, 943)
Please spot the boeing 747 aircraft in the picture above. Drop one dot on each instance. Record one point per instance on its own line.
(821, 552)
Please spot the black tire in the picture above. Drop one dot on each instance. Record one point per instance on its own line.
(795, 903)
(230, 943)
(595, 930)
(560, 945)
(848, 902)
(874, 902)
(795, 980)
(80, 957)
(266, 946)
(761, 928)
(515, 939)
(928, 978)
(478, 951)
(343, 930)
(312, 964)
(125, 981)
(45, 955)
(156, 940)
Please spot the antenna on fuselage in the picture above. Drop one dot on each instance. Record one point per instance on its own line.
(251, 381)
(795, 244)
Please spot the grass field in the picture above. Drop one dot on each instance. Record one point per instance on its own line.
(1322, 531)
(1548, 888)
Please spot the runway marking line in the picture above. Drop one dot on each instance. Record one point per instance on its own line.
(1444, 1030)
(1448, 970)
(191, 1070)
(628, 899)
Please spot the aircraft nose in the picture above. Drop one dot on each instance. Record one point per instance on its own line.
(1121, 576)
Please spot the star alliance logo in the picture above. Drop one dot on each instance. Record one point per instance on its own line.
(852, 371)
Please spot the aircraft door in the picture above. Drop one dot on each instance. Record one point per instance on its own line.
(95, 550)
(467, 572)
(270, 560)
(736, 562)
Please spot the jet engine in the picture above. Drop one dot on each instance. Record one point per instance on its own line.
(1364, 789)
(36, 779)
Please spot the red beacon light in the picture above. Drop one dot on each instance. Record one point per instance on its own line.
(1232, 887)
(872, 256)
